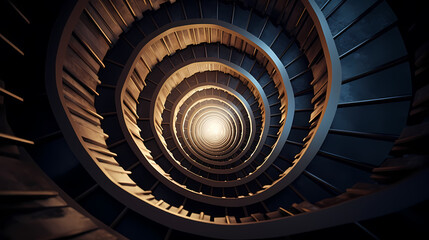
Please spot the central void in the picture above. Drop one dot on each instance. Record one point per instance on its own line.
(213, 130)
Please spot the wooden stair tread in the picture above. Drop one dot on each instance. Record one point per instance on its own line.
(360, 189)
(13, 204)
(47, 224)
(247, 219)
(305, 206)
(334, 200)
(20, 193)
(219, 220)
(413, 133)
(402, 164)
(258, 216)
(274, 215)
(98, 234)
(21, 176)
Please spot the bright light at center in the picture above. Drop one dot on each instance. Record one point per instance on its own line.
(213, 130)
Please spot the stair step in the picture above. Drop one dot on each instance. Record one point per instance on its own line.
(95, 234)
(46, 224)
(258, 216)
(276, 214)
(334, 200)
(394, 169)
(408, 163)
(360, 189)
(421, 97)
(383, 179)
(27, 194)
(220, 220)
(247, 219)
(13, 204)
(305, 207)
(419, 110)
(411, 134)
(285, 212)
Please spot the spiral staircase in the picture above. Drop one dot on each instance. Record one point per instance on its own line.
(192, 119)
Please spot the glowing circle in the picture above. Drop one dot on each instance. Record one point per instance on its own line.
(213, 130)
